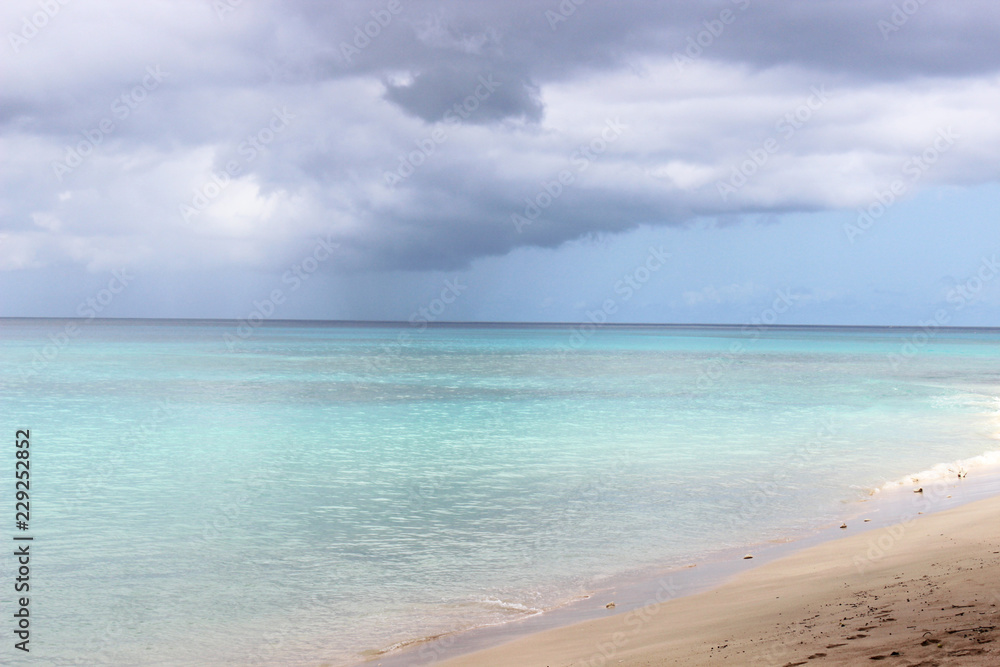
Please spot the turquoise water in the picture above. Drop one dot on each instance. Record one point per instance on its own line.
(317, 493)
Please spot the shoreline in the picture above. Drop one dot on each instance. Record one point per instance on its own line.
(890, 511)
(932, 596)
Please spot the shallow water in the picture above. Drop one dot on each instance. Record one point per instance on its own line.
(317, 492)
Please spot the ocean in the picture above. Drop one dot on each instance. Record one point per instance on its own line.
(204, 492)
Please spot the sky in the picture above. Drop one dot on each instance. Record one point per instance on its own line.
(733, 161)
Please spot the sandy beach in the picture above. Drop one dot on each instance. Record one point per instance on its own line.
(926, 592)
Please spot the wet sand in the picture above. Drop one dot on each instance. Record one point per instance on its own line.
(925, 592)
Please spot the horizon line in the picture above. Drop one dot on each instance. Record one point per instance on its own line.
(513, 323)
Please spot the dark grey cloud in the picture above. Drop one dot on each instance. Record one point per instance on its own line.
(377, 154)
(467, 96)
(853, 37)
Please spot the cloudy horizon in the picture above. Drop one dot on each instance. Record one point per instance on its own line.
(710, 162)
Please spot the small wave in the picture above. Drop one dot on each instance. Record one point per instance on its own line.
(504, 611)
(952, 470)
(505, 605)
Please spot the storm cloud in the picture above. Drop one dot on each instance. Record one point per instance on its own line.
(425, 135)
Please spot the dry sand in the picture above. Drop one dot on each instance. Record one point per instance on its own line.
(922, 593)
